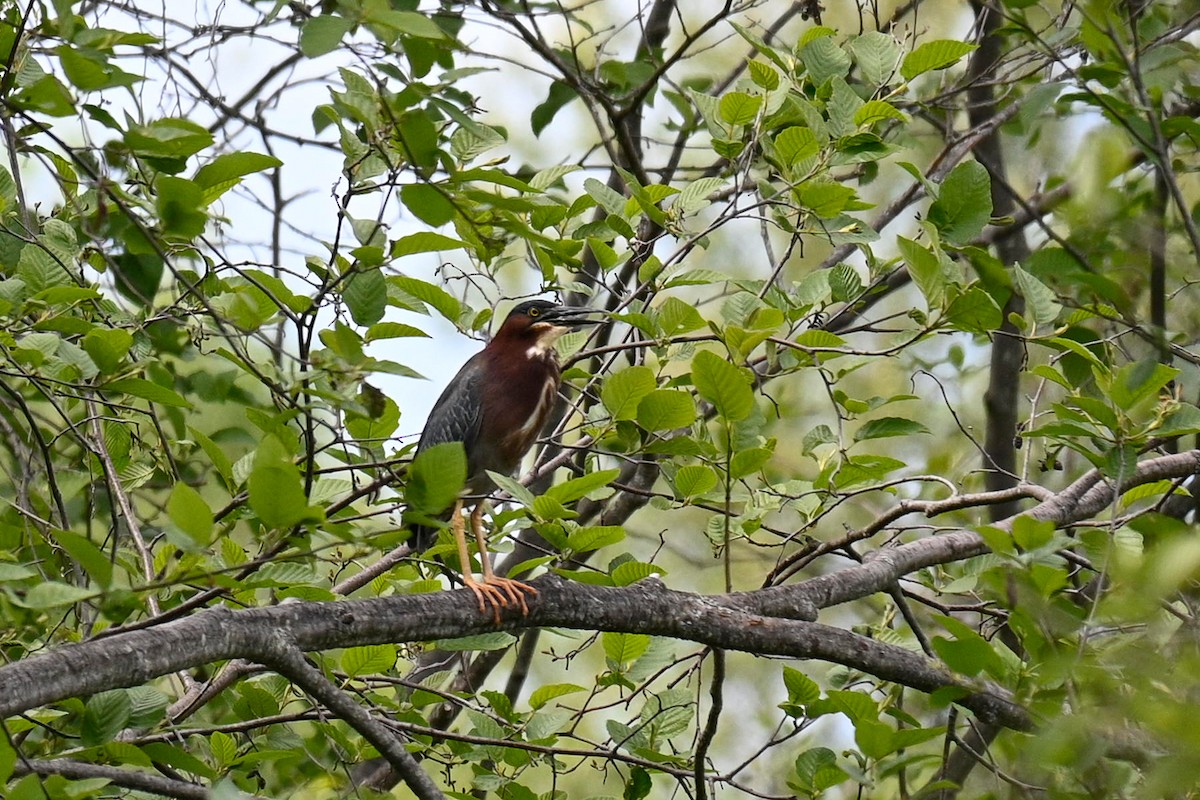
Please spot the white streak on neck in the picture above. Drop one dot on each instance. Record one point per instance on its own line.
(543, 346)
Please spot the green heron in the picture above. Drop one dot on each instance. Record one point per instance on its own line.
(496, 406)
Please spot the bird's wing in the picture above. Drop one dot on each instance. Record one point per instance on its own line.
(458, 413)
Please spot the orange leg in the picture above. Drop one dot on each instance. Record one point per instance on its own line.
(505, 589)
(494, 591)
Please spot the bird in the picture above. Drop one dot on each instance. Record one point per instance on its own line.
(496, 406)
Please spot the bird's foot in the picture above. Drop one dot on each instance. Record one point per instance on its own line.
(499, 593)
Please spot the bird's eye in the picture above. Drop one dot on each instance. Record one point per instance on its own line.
(535, 312)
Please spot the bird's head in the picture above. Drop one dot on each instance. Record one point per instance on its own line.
(538, 323)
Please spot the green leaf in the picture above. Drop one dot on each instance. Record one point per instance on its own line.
(93, 560)
(323, 34)
(611, 201)
(622, 649)
(550, 691)
(424, 242)
(1041, 304)
(666, 409)
(138, 276)
(594, 537)
(107, 347)
(624, 390)
(876, 54)
(436, 478)
(147, 390)
(168, 138)
(435, 296)
(745, 462)
(739, 108)
(764, 75)
(937, 54)
(276, 488)
(630, 572)
(722, 384)
(52, 594)
(428, 204)
(974, 311)
(393, 330)
(227, 170)
(845, 283)
(695, 195)
(876, 111)
(694, 480)
(180, 206)
(543, 114)
(497, 640)
(583, 485)
(801, 689)
(824, 59)
(374, 658)
(190, 513)
(885, 427)
(795, 144)
(964, 203)
(410, 23)
(105, 715)
(926, 271)
(365, 294)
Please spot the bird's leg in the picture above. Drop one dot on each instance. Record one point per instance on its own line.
(487, 592)
(515, 590)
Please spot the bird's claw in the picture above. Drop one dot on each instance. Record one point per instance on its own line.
(499, 592)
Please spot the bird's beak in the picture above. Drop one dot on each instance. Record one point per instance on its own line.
(568, 317)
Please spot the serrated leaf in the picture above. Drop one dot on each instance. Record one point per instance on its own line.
(1041, 304)
(817, 337)
(435, 296)
(107, 347)
(276, 490)
(227, 170)
(105, 715)
(801, 689)
(937, 54)
(764, 75)
(885, 427)
(371, 659)
(581, 486)
(594, 537)
(630, 572)
(623, 390)
(147, 390)
(694, 480)
(323, 34)
(695, 195)
(876, 54)
(824, 59)
(436, 477)
(190, 513)
(666, 409)
(622, 649)
(974, 311)
(610, 200)
(480, 641)
(365, 294)
(424, 242)
(722, 384)
(544, 694)
(795, 144)
(739, 108)
(964, 203)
